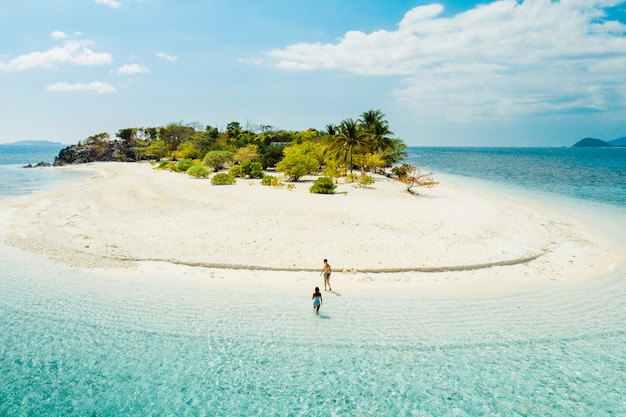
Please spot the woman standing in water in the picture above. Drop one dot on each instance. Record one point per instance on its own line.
(317, 300)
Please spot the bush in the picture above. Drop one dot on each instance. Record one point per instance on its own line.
(183, 165)
(366, 180)
(271, 180)
(162, 165)
(253, 170)
(235, 171)
(223, 178)
(217, 159)
(351, 178)
(167, 165)
(198, 171)
(323, 185)
(299, 160)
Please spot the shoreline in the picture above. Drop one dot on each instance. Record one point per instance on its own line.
(440, 242)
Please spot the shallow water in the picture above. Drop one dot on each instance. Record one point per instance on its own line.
(74, 343)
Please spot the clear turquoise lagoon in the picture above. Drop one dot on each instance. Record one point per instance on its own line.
(73, 343)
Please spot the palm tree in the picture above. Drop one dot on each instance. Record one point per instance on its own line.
(349, 136)
(378, 132)
(369, 117)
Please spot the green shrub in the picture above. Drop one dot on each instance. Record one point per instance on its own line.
(351, 177)
(183, 165)
(167, 165)
(366, 180)
(198, 171)
(255, 170)
(217, 159)
(162, 165)
(235, 171)
(223, 178)
(271, 180)
(323, 185)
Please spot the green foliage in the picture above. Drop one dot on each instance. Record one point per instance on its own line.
(369, 161)
(299, 160)
(331, 170)
(366, 181)
(271, 180)
(198, 171)
(323, 185)
(402, 171)
(249, 152)
(157, 149)
(366, 143)
(351, 178)
(223, 178)
(186, 150)
(247, 169)
(217, 159)
(174, 134)
(235, 171)
(183, 165)
(169, 165)
(251, 169)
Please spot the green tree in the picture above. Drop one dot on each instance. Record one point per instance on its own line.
(218, 159)
(299, 160)
(175, 133)
(377, 130)
(185, 150)
(157, 149)
(397, 154)
(247, 153)
(350, 136)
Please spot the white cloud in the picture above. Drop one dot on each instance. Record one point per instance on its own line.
(97, 86)
(72, 51)
(58, 35)
(503, 59)
(166, 57)
(133, 69)
(111, 3)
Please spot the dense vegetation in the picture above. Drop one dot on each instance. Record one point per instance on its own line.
(366, 145)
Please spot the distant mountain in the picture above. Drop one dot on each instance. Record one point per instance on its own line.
(618, 142)
(591, 143)
(34, 143)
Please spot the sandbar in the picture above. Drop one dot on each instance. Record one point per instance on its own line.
(130, 221)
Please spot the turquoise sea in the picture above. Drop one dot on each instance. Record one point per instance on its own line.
(75, 344)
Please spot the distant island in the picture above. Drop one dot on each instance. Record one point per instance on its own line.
(599, 143)
(34, 143)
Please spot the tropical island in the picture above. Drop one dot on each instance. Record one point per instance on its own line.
(366, 145)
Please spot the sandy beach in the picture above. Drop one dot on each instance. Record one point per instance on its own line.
(130, 221)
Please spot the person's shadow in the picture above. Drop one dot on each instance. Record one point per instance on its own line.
(334, 293)
(323, 316)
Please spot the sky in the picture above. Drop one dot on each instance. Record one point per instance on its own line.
(447, 73)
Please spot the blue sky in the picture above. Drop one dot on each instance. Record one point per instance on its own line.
(452, 73)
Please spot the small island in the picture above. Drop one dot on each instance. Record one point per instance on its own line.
(599, 143)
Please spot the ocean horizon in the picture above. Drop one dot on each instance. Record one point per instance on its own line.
(74, 343)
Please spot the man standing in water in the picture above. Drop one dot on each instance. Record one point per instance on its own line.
(326, 271)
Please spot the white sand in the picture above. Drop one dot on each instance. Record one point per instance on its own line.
(130, 221)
